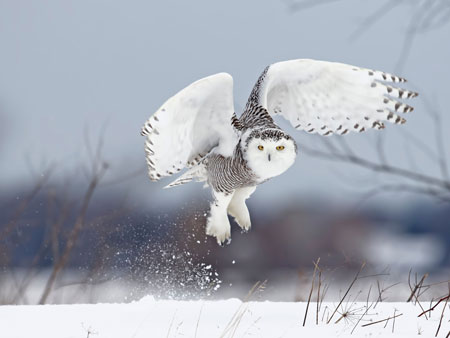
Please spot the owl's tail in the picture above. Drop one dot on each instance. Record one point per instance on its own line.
(197, 172)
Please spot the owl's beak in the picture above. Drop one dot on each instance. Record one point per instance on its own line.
(269, 157)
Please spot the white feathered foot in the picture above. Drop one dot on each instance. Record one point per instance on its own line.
(217, 224)
(238, 209)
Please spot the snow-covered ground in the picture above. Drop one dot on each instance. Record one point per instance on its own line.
(227, 318)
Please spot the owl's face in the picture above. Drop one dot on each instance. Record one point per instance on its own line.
(269, 152)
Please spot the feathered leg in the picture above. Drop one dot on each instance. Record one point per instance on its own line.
(217, 224)
(238, 209)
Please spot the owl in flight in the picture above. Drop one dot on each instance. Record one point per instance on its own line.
(198, 128)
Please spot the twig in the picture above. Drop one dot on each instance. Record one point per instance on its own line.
(380, 292)
(373, 18)
(411, 33)
(379, 299)
(435, 305)
(297, 6)
(383, 320)
(198, 320)
(327, 311)
(442, 316)
(436, 193)
(171, 323)
(437, 283)
(380, 149)
(311, 291)
(417, 286)
(318, 297)
(348, 290)
(440, 143)
(368, 296)
(393, 321)
(383, 168)
(365, 312)
(251, 325)
(24, 204)
(360, 318)
(89, 331)
(242, 309)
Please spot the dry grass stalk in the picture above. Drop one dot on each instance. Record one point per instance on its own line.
(198, 320)
(251, 325)
(346, 293)
(318, 295)
(368, 307)
(89, 331)
(416, 287)
(416, 291)
(242, 309)
(171, 324)
(382, 320)
(311, 291)
(381, 290)
(442, 314)
(393, 321)
(327, 311)
(362, 316)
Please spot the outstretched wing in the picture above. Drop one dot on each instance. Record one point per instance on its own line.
(328, 97)
(189, 124)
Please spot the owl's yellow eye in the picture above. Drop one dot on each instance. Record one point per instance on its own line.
(260, 147)
(280, 147)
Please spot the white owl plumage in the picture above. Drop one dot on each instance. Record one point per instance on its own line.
(198, 129)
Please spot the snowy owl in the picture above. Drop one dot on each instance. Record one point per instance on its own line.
(198, 128)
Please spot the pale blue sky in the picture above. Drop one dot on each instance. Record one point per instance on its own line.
(65, 65)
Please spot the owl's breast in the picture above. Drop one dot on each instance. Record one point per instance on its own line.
(225, 174)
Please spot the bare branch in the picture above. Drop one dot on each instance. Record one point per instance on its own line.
(373, 18)
(435, 116)
(307, 4)
(437, 183)
(73, 236)
(24, 204)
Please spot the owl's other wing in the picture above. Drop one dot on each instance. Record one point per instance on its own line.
(327, 97)
(189, 124)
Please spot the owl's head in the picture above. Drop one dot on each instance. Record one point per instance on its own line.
(269, 152)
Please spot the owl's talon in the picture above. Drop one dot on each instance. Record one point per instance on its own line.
(245, 230)
(225, 242)
(222, 234)
(245, 225)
